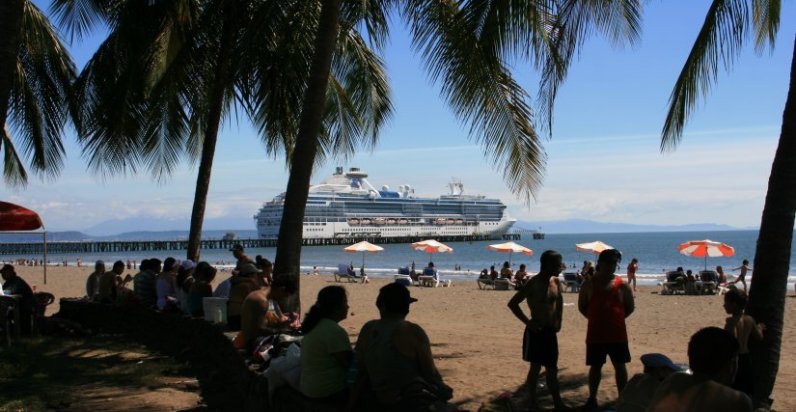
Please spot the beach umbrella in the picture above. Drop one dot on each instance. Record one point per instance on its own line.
(365, 247)
(705, 248)
(431, 246)
(510, 247)
(595, 247)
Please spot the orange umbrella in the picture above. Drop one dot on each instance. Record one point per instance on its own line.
(705, 248)
(432, 246)
(510, 247)
(364, 247)
(595, 247)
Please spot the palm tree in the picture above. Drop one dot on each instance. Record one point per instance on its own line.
(726, 26)
(465, 46)
(35, 77)
(158, 89)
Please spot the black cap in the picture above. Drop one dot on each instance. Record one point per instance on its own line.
(236, 246)
(394, 297)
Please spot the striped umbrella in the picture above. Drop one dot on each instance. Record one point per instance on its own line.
(705, 248)
(365, 247)
(510, 247)
(595, 247)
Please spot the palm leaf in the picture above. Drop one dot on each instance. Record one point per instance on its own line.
(719, 41)
(765, 17)
(13, 170)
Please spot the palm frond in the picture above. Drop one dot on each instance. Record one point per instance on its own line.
(40, 94)
(482, 93)
(765, 17)
(78, 17)
(370, 15)
(14, 172)
(719, 41)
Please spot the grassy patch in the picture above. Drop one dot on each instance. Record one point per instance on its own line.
(55, 373)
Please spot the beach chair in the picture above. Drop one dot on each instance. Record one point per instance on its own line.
(342, 273)
(571, 282)
(674, 284)
(502, 284)
(403, 280)
(710, 282)
(484, 283)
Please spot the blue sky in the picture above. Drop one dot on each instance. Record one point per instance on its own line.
(603, 158)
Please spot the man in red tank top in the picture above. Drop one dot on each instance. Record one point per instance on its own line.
(606, 301)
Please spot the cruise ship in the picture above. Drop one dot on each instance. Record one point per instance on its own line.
(345, 205)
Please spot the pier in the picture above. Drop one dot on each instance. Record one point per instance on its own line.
(86, 247)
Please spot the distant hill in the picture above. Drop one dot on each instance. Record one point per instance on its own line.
(73, 236)
(590, 226)
(154, 224)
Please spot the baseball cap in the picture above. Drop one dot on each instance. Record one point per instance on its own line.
(659, 360)
(395, 297)
(187, 264)
(236, 246)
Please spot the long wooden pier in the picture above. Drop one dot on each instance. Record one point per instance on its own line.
(36, 248)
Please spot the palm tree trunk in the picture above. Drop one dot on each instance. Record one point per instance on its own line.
(772, 257)
(215, 108)
(288, 248)
(11, 12)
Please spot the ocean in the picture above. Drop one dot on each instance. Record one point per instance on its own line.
(656, 252)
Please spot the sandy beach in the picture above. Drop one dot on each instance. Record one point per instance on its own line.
(476, 340)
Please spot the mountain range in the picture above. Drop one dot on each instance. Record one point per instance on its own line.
(168, 229)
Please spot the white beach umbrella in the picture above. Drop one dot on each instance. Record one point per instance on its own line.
(432, 246)
(365, 247)
(510, 247)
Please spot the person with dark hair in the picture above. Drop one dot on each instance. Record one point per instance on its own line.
(722, 276)
(92, 283)
(742, 327)
(493, 274)
(632, 267)
(506, 272)
(15, 285)
(605, 300)
(201, 288)
(166, 286)
(109, 282)
(325, 350)
(394, 359)
(712, 356)
(543, 295)
(744, 268)
(144, 283)
(260, 313)
(520, 277)
(245, 282)
(240, 257)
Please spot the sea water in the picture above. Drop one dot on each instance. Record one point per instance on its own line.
(656, 253)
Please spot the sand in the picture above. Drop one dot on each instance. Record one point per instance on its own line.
(476, 340)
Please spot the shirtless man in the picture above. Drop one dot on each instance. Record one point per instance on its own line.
(742, 276)
(540, 343)
(712, 356)
(260, 314)
(605, 300)
(742, 327)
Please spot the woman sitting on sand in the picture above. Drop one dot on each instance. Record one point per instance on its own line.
(742, 327)
(505, 272)
(325, 350)
(521, 276)
(201, 288)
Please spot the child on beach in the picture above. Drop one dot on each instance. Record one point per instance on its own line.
(742, 276)
(632, 267)
(742, 327)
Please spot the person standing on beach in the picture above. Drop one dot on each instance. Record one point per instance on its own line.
(540, 342)
(240, 256)
(606, 301)
(632, 267)
(742, 327)
(742, 276)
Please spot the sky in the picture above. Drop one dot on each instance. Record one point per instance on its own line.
(603, 158)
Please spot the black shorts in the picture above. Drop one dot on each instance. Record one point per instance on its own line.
(596, 353)
(540, 347)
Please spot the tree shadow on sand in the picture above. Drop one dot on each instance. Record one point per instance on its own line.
(55, 373)
(519, 400)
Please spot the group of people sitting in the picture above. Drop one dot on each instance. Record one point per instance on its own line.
(395, 369)
(514, 280)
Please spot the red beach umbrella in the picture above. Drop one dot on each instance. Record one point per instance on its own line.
(705, 248)
(14, 217)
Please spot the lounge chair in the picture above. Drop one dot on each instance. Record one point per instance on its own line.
(342, 273)
(403, 279)
(674, 284)
(502, 284)
(484, 283)
(710, 282)
(571, 282)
